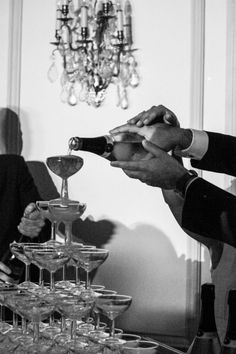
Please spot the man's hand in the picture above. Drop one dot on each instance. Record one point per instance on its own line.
(31, 222)
(160, 171)
(156, 114)
(5, 273)
(159, 126)
(163, 135)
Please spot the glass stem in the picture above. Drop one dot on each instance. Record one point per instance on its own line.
(53, 230)
(51, 320)
(87, 283)
(68, 231)
(112, 328)
(63, 323)
(27, 272)
(14, 320)
(52, 281)
(97, 314)
(24, 325)
(36, 332)
(64, 273)
(73, 329)
(41, 277)
(64, 189)
(77, 277)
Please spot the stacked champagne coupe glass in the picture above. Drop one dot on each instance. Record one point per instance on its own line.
(63, 316)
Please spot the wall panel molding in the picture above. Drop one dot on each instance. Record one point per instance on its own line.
(14, 55)
(194, 249)
(230, 98)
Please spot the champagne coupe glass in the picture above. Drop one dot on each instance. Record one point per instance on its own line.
(17, 249)
(36, 309)
(75, 258)
(96, 309)
(28, 250)
(44, 210)
(112, 306)
(5, 289)
(64, 166)
(66, 212)
(12, 302)
(52, 259)
(91, 259)
(74, 308)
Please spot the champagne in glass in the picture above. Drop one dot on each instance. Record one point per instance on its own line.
(64, 166)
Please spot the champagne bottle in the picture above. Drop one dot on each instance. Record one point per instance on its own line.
(206, 340)
(121, 146)
(229, 344)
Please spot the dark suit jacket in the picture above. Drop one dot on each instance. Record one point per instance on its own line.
(209, 210)
(17, 190)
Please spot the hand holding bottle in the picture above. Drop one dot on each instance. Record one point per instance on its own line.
(158, 125)
(156, 114)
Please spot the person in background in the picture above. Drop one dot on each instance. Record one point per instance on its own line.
(18, 194)
(205, 150)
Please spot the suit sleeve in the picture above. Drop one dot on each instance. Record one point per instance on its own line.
(220, 156)
(28, 194)
(210, 212)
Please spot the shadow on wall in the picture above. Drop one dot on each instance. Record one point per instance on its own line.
(143, 263)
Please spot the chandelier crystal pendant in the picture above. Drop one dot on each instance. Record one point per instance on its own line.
(94, 42)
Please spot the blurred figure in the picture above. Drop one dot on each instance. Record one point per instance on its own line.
(18, 192)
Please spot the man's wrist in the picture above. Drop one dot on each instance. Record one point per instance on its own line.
(185, 139)
(184, 181)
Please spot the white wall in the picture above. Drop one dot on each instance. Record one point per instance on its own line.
(149, 255)
(147, 250)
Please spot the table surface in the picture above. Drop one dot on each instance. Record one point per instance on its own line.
(163, 348)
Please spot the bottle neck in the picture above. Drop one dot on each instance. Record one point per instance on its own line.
(207, 320)
(102, 145)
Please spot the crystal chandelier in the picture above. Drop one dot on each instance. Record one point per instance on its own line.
(93, 39)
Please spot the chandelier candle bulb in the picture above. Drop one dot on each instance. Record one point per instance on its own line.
(58, 21)
(128, 22)
(84, 15)
(119, 18)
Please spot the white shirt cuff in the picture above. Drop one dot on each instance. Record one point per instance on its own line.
(198, 146)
